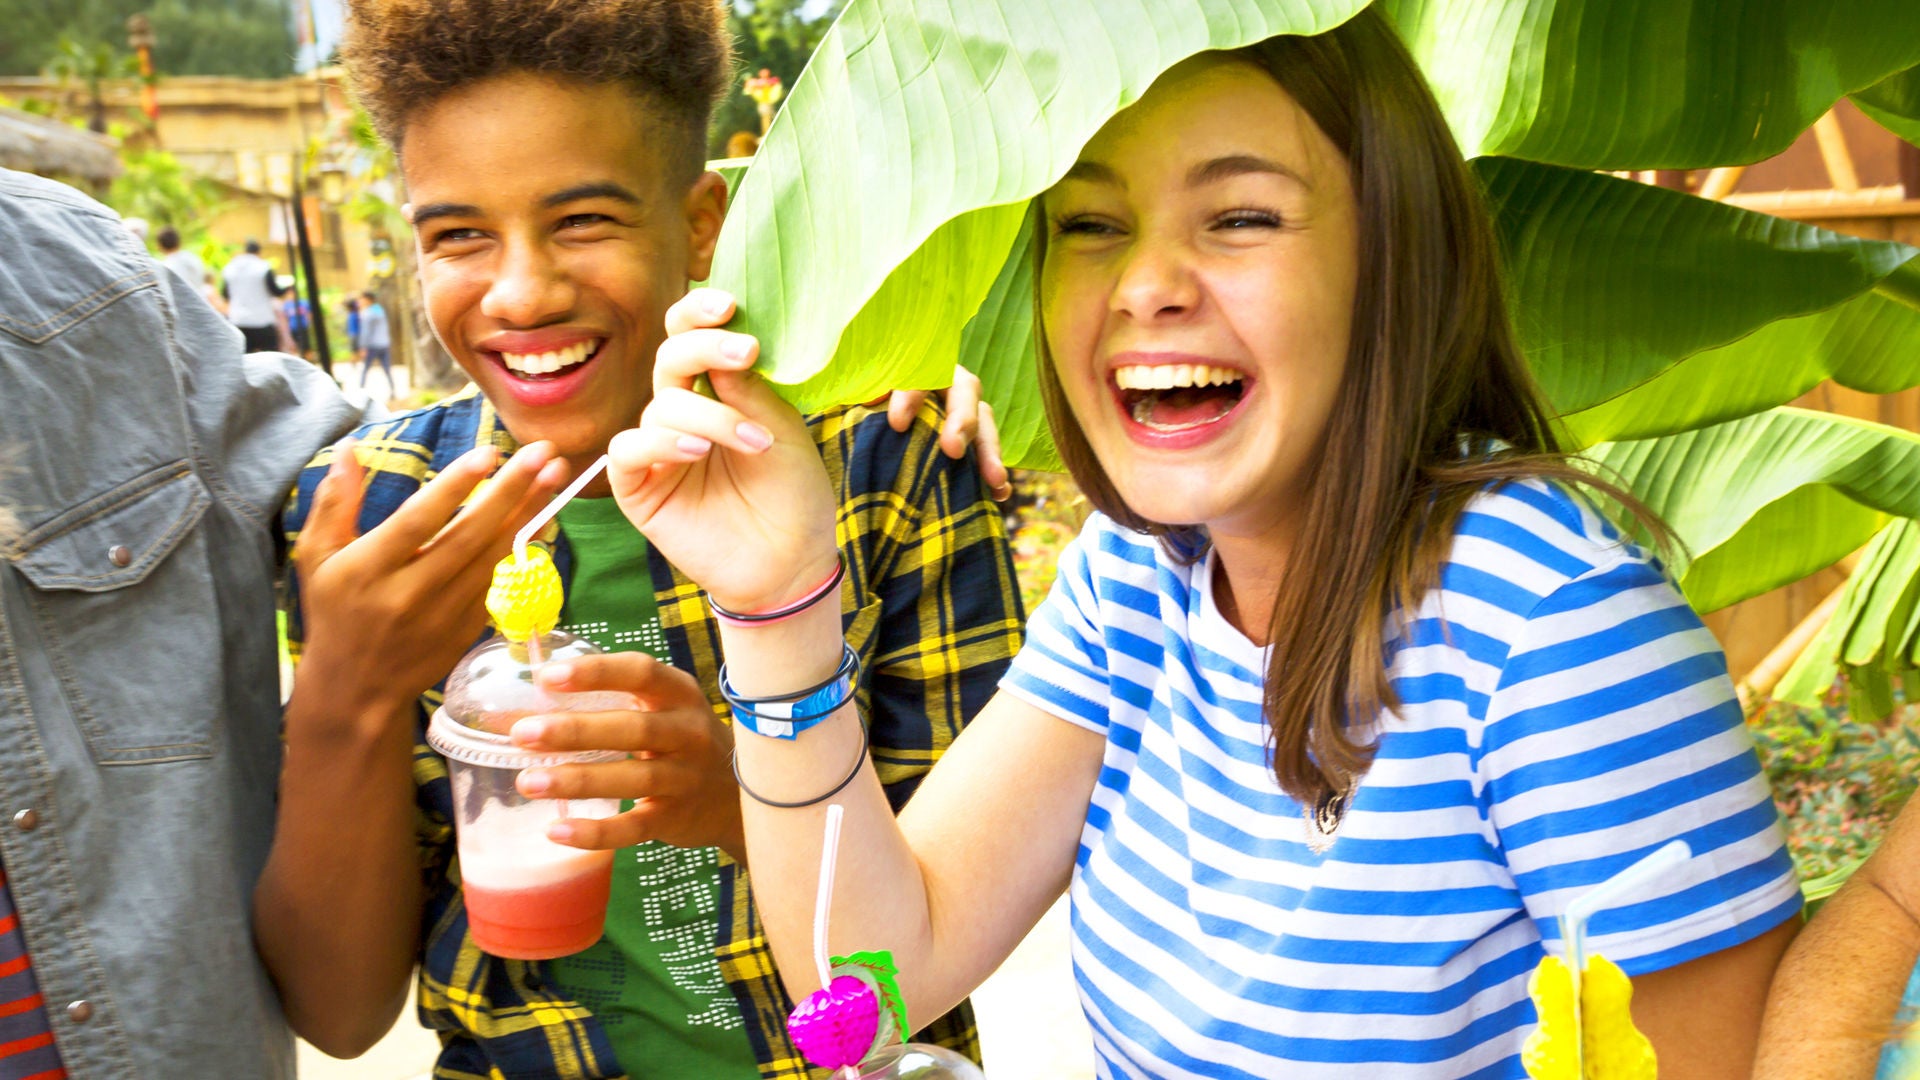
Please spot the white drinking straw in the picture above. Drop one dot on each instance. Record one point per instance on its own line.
(823, 906)
(532, 528)
(1573, 923)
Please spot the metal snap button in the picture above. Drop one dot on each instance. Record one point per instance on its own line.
(27, 820)
(80, 1011)
(119, 555)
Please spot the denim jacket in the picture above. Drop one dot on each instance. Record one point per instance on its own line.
(139, 686)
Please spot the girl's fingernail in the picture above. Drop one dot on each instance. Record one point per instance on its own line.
(715, 303)
(754, 435)
(527, 731)
(693, 444)
(533, 782)
(736, 348)
(560, 832)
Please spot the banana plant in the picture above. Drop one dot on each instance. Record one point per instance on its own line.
(881, 232)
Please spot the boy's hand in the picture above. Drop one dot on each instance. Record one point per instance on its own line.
(731, 491)
(679, 776)
(388, 614)
(969, 423)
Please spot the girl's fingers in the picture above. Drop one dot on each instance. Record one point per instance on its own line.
(701, 307)
(685, 357)
(685, 413)
(644, 466)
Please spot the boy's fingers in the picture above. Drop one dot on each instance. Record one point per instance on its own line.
(488, 522)
(332, 522)
(427, 510)
(963, 414)
(628, 778)
(606, 834)
(902, 405)
(700, 308)
(993, 468)
(659, 686)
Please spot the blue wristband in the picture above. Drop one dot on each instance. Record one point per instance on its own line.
(785, 716)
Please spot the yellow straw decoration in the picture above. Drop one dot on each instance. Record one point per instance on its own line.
(1616, 1050)
(524, 599)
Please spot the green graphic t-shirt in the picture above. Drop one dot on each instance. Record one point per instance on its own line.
(652, 980)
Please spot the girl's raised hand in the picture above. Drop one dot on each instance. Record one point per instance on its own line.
(732, 491)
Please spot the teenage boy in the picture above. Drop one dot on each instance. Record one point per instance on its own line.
(553, 153)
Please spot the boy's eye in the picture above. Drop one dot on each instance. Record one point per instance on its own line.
(455, 236)
(581, 221)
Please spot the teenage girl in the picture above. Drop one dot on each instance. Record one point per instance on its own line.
(1345, 692)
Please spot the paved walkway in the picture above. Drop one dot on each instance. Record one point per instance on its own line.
(1030, 1023)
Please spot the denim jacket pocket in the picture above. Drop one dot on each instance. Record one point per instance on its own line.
(125, 601)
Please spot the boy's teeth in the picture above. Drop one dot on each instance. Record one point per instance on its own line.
(1169, 376)
(546, 363)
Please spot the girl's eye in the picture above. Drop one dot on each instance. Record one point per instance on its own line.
(1082, 225)
(1248, 219)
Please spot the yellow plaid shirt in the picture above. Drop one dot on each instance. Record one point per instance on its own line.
(932, 607)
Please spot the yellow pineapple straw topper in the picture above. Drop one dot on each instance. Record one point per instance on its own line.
(1586, 1029)
(525, 597)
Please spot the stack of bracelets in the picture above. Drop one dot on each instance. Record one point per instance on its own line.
(783, 716)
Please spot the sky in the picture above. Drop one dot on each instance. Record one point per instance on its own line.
(326, 21)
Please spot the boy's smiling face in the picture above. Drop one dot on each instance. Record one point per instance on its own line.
(553, 236)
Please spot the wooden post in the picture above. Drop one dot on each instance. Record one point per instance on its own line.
(1721, 182)
(1833, 151)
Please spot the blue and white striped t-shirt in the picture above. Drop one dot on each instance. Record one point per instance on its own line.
(1571, 716)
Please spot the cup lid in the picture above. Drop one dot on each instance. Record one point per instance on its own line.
(473, 746)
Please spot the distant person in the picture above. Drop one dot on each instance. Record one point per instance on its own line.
(374, 341)
(181, 261)
(250, 287)
(296, 318)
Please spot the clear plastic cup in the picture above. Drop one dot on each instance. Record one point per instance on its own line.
(527, 897)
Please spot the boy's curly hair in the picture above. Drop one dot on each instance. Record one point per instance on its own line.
(674, 55)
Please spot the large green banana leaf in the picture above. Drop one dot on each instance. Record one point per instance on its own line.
(1615, 282)
(1895, 102)
(1767, 499)
(1873, 635)
(883, 203)
(1671, 84)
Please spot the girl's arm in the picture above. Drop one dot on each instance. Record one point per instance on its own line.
(733, 493)
(1703, 1016)
(984, 847)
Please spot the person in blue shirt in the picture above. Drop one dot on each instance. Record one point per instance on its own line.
(299, 318)
(373, 341)
(1345, 692)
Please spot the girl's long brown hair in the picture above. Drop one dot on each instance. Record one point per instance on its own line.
(1436, 405)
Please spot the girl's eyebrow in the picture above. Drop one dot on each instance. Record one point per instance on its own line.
(1094, 172)
(1224, 168)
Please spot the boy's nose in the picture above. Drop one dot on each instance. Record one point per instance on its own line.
(530, 288)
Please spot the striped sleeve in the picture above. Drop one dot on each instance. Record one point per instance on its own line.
(1063, 666)
(1613, 730)
(27, 1051)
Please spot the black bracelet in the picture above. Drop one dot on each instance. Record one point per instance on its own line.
(859, 762)
(849, 669)
(818, 594)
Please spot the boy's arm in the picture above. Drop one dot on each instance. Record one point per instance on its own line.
(1835, 994)
(337, 911)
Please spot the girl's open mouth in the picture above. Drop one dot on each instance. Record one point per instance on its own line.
(1173, 398)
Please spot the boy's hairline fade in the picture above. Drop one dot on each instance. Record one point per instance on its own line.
(674, 57)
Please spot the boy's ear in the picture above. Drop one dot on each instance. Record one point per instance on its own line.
(706, 208)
